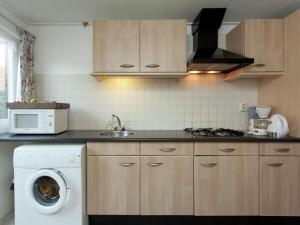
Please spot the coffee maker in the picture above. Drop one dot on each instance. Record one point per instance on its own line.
(259, 120)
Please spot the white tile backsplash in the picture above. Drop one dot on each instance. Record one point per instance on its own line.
(193, 101)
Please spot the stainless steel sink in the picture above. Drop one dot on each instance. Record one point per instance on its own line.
(112, 133)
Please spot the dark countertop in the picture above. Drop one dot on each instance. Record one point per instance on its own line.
(140, 135)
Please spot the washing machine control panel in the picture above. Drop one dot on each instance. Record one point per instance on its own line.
(73, 158)
(45, 159)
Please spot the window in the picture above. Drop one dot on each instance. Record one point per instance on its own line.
(8, 75)
(3, 81)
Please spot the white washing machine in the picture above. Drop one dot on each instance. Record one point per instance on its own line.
(50, 184)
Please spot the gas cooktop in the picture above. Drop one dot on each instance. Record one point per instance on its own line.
(210, 132)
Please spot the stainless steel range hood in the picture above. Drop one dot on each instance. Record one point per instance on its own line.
(207, 57)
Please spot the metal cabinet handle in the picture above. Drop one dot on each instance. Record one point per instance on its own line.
(227, 149)
(282, 149)
(274, 164)
(127, 164)
(167, 149)
(257, 65)
(126, 65)
(155, 164)
(152, 65)
(208, 164)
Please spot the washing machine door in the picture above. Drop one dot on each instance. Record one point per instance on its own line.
(46, 191)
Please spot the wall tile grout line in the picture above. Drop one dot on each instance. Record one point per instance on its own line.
(162, 104)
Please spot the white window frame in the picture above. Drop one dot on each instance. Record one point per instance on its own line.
(11, 72)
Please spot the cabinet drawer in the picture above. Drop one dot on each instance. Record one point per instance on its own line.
(280, 149)
(111, 148)
(226, 148)
(166, 148)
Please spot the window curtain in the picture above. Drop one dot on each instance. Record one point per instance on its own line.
(26, 75)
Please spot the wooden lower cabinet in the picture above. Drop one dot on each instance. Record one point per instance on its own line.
(167, 185)
(226, 148)
(280, 149)
(113, 185)
(279, 186)
(226, 185)
(113, 148)
(201, 185)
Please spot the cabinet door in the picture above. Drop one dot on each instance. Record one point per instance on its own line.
(279, 186)
(116, 46)
(167, 185)
(264, 43)
(226, 185)
(163, 46)
(113, 186)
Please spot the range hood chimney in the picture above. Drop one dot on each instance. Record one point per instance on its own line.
(207, 57)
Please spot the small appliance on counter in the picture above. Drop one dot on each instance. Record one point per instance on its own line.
(263, 112)
(259, 126)
(278, 126)
(252, 112)
(38, 118)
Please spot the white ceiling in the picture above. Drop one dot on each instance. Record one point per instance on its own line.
(73, 11)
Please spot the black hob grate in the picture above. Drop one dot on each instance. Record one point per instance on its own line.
(210, 132)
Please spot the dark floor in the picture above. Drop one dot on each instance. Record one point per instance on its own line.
(192, 220)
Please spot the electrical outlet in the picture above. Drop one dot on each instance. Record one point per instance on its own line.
(243, 107)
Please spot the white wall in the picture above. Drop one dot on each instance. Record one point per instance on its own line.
(63, 63)
(6, 175)
(63, 49)
(7, 28)
(6, 149)
(8, 31)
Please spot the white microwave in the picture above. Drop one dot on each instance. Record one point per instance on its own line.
(38, 121)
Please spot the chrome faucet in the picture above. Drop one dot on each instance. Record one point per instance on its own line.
(119, 123)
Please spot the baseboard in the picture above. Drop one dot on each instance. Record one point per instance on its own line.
(7, 217)
(193, 220)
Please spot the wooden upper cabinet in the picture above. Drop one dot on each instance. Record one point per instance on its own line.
(147, 47)
(226, 185)
(261, 39)
(279, 186)
(264, 42)
(116, 46)
(163, 46)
